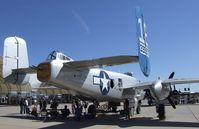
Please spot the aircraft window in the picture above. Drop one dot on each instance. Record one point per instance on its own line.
(111, 83)
(52, 55)
(65, 58)
(57, 55)
(61, 57)
(119, 82)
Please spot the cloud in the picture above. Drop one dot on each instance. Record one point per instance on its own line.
(81, 21)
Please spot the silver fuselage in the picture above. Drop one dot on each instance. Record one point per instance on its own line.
(92, 82)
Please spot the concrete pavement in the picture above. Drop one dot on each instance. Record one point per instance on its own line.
(185, 116)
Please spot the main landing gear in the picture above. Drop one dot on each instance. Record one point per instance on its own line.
(92, 111)
(160, 109)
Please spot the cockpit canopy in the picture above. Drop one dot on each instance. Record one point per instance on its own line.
(57, 55)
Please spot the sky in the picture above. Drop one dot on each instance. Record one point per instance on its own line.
(85, 29)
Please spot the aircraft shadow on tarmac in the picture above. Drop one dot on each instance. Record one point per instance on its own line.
(111, 120)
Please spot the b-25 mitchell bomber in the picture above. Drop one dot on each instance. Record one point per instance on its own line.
(87, 78)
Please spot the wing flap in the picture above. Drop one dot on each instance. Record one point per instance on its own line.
(102, 62)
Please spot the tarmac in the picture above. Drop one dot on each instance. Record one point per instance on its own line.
(185, 116)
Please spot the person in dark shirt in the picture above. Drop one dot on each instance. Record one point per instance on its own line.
(44, 104)
(21, 104)
(65, 112)
(53, 107)
(127, 109)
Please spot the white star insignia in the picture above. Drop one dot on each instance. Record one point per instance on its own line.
(104, 83)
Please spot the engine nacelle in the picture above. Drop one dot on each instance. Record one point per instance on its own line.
(159, 91)
(48, 71)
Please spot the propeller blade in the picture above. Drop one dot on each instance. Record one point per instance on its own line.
(175, 92)
(174, 87)
(172, 102)
(171, 75)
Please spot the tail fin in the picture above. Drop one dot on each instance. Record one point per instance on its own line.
(143, 50)
(15, 56)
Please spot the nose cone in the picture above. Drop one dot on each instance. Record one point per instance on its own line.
(44, 72)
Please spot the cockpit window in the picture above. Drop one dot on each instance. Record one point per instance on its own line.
(52, 55)
(57, 55)
(63, 57)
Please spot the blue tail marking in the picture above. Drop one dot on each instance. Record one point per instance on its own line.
(143, 50)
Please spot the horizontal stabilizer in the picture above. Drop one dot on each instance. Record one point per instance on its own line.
(102, 62)
(25, 70)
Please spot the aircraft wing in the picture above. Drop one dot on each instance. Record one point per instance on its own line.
(102, 62)
(148, 85)
(142, 85)
(91, 63)
(181, 81)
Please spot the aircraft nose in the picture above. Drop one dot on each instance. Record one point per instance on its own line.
(44, 72)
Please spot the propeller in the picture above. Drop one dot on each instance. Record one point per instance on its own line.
(170, 97)
(171, 75)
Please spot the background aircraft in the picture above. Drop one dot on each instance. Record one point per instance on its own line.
(87, 78)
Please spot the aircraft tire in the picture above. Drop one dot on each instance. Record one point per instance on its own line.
(161, 112)
(138, 109)
(92, 111)
(114, 109)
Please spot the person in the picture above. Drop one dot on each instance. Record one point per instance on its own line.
(73, 107)
(54, 104)
(53, 107)
(78, 110)
(85, 107)
(44, 104)
(40, 103)
(34, 110)
(27, 110)
(127, 109)
(21, 104)
(24, 106)
(34, 101)
(65, 112)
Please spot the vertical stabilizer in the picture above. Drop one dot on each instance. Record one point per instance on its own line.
(143, 50)
(15, 56)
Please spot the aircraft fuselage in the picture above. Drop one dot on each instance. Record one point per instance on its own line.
(96, 83)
